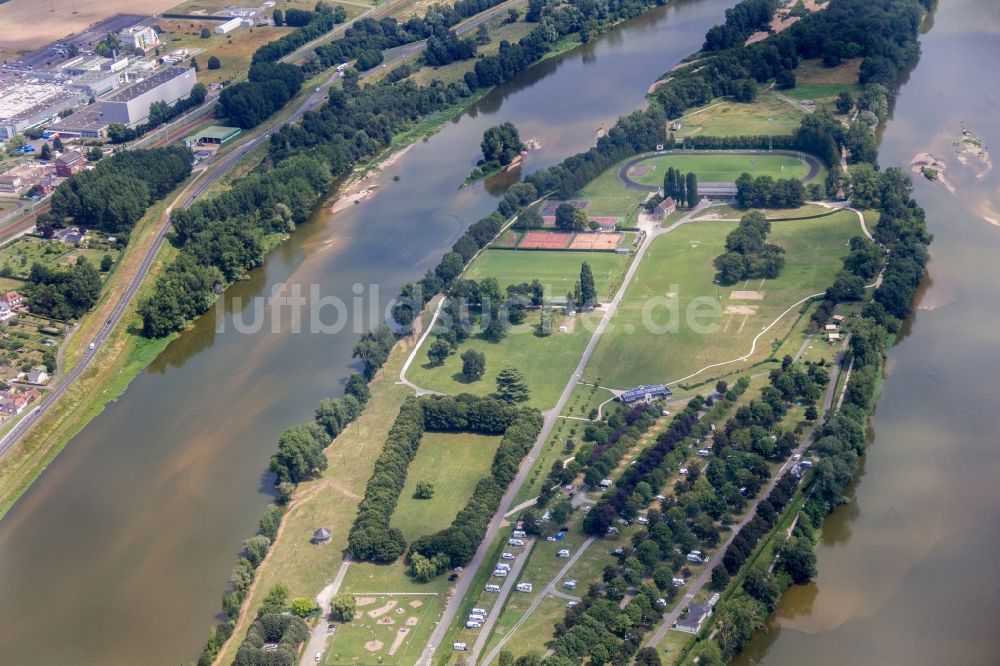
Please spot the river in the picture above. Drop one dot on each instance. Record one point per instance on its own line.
(120, 552)
(908, 572)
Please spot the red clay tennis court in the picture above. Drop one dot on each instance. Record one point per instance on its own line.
(596, 242)
(546, 240)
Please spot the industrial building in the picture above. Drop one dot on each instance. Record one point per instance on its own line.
(139, 37)
(86, 122)
(130, 105)
(27, 104)
(214, 135)
(228, 26)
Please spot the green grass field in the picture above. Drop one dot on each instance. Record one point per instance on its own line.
(22, 253)
(768, 115)
(820, 91)
(453, 463)
(718, 167)
(558, 271)
(678, 269)
(607, 196)
(546, 362)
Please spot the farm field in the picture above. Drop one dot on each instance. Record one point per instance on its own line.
(233, 50)
(718, 167)
(678, 269)
(814, 81)
(453, 463)
(723, 118)
(26, 25)
(558, 271)
(546, 362)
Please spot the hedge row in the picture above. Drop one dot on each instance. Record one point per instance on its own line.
(371, 537)
(459, 541)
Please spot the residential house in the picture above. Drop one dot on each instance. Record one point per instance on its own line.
(10, 184)
(6, 312)
(13, 299)
(695, 617)
(37, 377)
(69, 163)
(645, 393)
(665, 208)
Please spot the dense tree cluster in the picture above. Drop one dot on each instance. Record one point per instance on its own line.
(882, 32)
(743, 20)
(501, 144)
(287, 630)
(748, 254)
(444, 46)
(371, 538)
(268, 88)
(63, 293)
(683, 188)
(321, 22)
(117, 191)
(766, 192)
(222, 237)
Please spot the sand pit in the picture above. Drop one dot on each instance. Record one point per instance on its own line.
(383, 610)
(400, 611)
(747, 295)
(373, 646)
(411, 621)
(400, 637)
(386, 620)
(364, 601)
(416, 603)
(741, 309)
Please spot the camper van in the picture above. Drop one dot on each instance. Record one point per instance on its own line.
(524, 587)
(563, 553)
(491, 587)
(461, 647)
(520, 534)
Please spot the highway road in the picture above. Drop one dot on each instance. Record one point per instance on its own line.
(209, 175)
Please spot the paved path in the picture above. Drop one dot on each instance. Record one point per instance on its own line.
(550, 588)
(550, 419)
(814, 166)
(318, 636)
(505, 589)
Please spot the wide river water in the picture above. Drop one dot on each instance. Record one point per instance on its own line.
(908, 570)
(120, 552)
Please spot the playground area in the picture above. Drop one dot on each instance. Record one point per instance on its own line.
(387, 629)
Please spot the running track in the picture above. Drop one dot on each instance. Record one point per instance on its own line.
(814, 166)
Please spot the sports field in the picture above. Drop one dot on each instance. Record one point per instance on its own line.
(718, 167)
(661, 333)
(453, 463)
(558, 271)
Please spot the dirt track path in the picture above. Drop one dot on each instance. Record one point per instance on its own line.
(814, 165)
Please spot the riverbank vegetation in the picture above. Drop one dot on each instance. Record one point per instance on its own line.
(349, 110)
